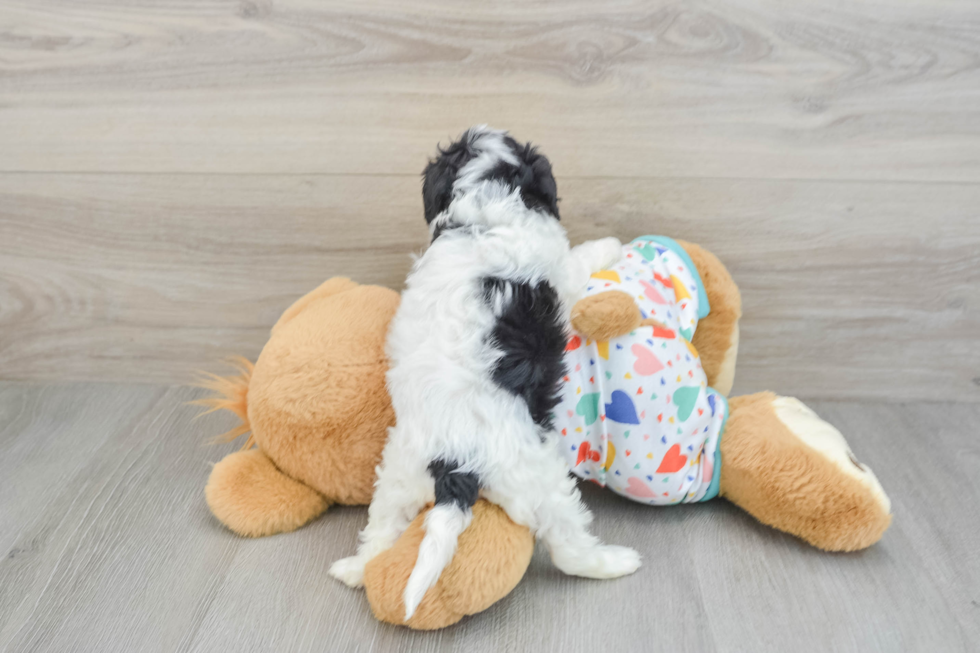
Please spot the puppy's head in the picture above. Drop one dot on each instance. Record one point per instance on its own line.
(481, 156)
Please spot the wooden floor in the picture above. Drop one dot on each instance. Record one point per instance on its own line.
(109, 546)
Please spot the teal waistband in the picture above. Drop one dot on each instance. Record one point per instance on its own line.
(674, 246)
(716, 473)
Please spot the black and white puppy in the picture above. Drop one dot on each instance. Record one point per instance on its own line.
(475, 360)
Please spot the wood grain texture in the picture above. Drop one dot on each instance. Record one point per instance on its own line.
(107, 545)
(723, 88)
(849, 290)
(174, 173)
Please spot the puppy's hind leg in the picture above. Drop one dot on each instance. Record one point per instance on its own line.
(402, 490)
(543, 496)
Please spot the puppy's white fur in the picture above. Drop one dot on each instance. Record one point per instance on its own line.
(443, 526)
(448, 406)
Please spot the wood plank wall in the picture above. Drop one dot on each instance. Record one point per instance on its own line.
(173, 173)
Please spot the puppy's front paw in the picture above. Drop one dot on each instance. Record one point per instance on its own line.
(609, 251)
(603, 561)
(349, 571)
(615, 561)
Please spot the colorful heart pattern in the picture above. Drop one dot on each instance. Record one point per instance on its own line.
(673, 461)
(610, 456)
(638, 488)
(586, 452)
(651, 293)
(588, 407)
(635, 410)
(607, 275)
(685, 400)
(621, 408)
(646, 363)
(680, 289)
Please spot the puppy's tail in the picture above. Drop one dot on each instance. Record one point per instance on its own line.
(456, 492)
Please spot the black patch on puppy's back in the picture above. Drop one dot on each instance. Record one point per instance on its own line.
(530, 336)
(461, 488)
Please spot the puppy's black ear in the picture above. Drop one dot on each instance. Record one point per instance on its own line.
(440, 175)
(542, 188)
(532, 175)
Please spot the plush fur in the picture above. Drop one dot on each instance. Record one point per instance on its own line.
(769, 471)
(231, 394)
(606, 315)
(329, 362)
(716, 337)
(315, 406)
(464, 390)
(251, 497)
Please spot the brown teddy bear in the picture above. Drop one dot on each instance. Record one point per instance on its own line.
(318, 412)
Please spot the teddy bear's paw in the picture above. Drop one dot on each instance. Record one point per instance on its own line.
(828, 442)
(606, 315)
(248, 494)
(349, 571)
(602, 561)
(795, 472)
